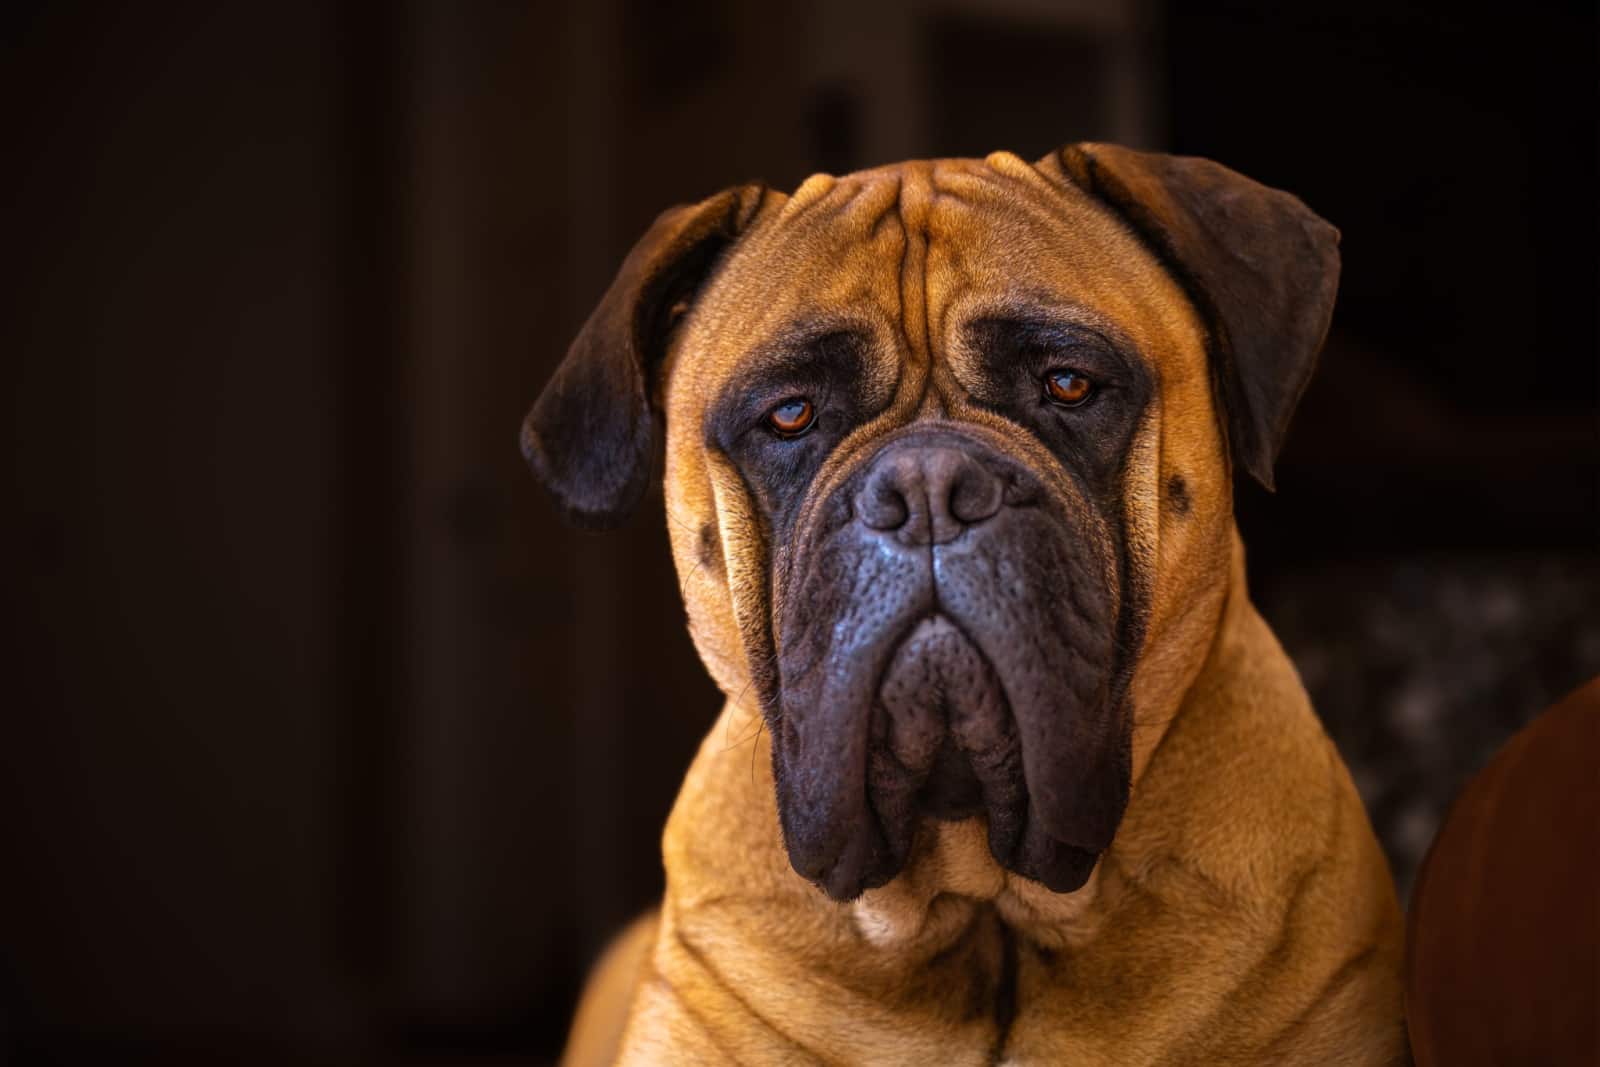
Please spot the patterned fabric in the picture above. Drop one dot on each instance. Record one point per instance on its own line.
(1422, 667)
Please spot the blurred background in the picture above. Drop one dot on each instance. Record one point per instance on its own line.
(325, 741)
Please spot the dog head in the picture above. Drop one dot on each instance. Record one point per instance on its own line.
(949, 453)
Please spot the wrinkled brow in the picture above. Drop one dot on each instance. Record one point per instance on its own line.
(805, 358)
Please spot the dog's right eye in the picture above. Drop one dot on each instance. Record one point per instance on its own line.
(1067, 388)
(792, 417)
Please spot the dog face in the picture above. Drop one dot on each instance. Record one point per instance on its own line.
(948, 462)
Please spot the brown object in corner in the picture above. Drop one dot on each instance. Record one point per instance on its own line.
(1503, 952)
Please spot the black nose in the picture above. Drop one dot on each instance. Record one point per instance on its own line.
(926, 494)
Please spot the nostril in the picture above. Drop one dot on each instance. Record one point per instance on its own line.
(975, 495)
(964, 493)
(881, 505)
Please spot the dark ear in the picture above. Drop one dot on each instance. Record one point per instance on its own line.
(1261, 268)
(593, 434)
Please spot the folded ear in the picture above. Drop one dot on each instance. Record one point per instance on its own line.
(1261, 268)
(593, 435)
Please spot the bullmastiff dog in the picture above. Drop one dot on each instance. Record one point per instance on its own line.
(949, 459)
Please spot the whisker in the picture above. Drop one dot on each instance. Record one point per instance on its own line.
(760, 725)
(699, 564)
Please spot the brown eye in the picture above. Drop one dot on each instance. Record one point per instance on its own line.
(792, 417)
(1067, 388)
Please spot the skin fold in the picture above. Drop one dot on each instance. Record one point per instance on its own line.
(1010, 769)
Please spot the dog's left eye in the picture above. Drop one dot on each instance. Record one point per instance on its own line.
(792, 417)
(1066, 387)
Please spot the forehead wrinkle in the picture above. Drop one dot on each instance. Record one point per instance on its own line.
(963, 181)
(851, 207)
(916, 209)
(961, 220)
(945, 285)
(876, 203)
(1071, 253)
(795, 355)
(828, 255)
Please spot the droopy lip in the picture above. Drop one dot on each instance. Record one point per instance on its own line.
(941, 711)
(828, 743)
(1024, 602)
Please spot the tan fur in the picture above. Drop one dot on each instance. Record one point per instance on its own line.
(602, 1013)
(1244, 913)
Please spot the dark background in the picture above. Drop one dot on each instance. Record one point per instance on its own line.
(322, 739)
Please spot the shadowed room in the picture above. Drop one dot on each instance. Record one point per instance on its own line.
(329, 740)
